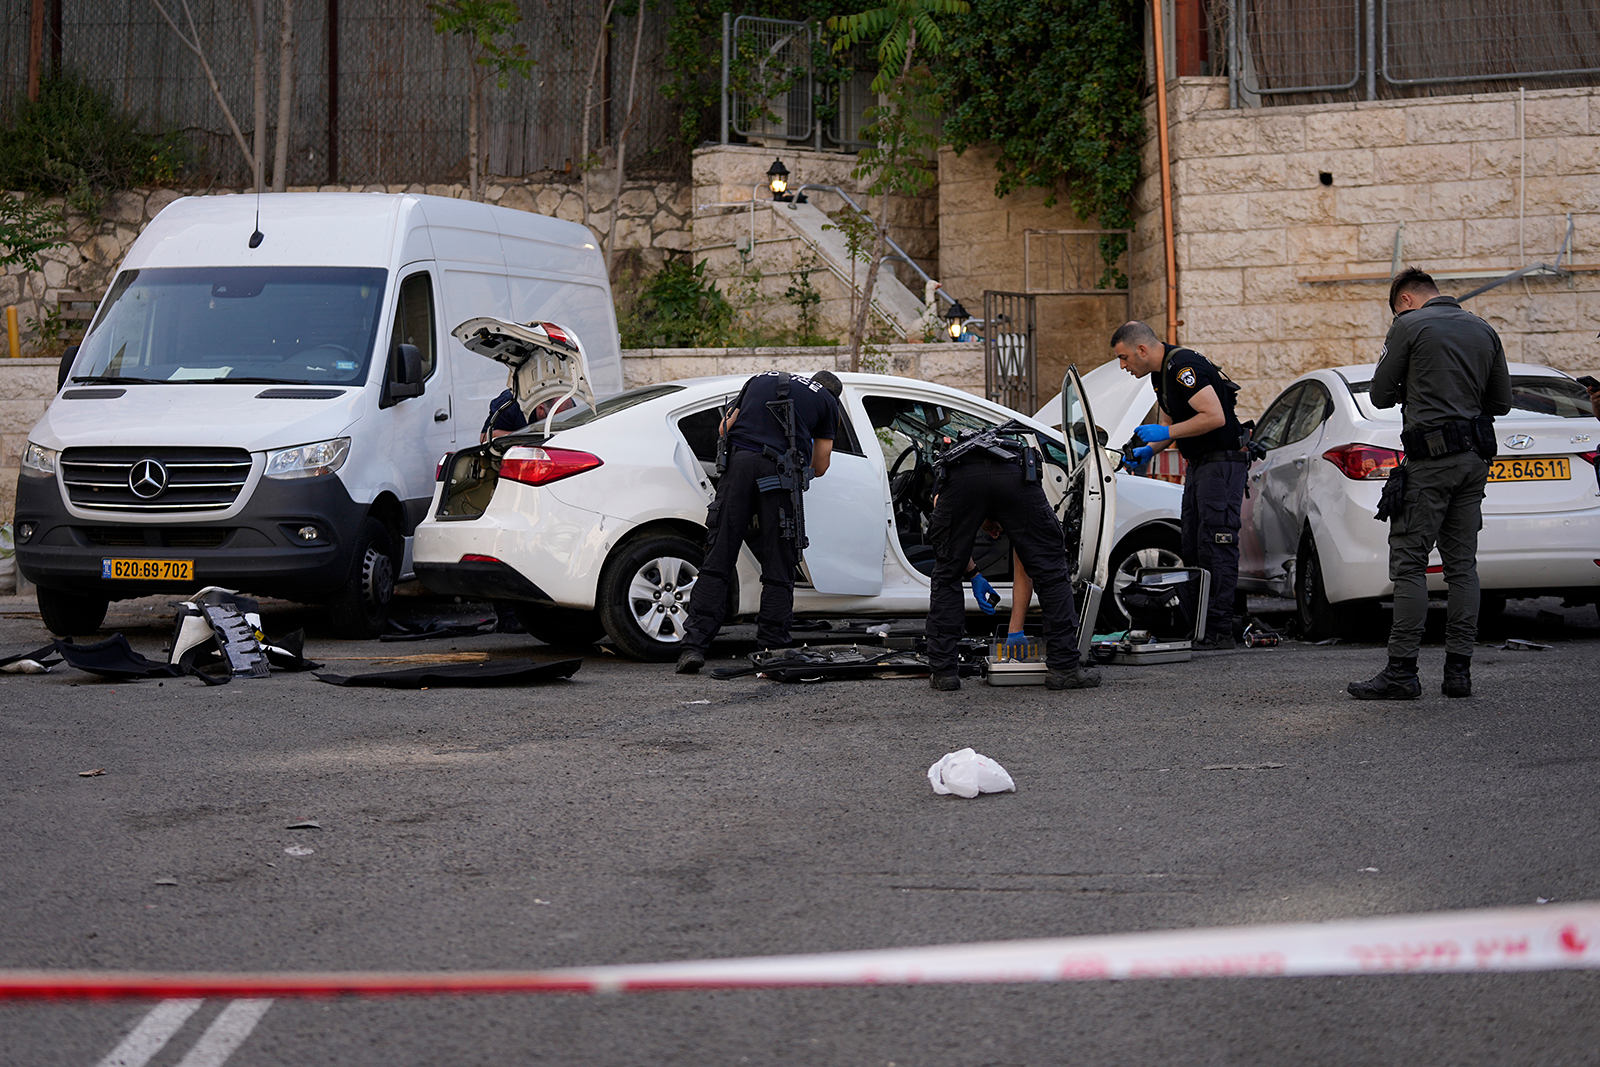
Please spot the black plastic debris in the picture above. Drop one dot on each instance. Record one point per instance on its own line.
(820, 663)
(115, 658)
(432, 628)
(493, 673)
(35, 662)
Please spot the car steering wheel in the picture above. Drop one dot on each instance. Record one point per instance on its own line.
(906, 495)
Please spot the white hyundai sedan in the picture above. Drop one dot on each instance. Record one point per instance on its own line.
(1308, 527)
(594, 517)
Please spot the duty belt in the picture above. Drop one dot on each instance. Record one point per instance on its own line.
(1445, 439)
(1225, 455)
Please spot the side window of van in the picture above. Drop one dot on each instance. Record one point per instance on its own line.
(413, 319)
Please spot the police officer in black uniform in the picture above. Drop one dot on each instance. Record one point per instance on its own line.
(1446, 369)
(995, 475)
(778, 434)
(1197, 399)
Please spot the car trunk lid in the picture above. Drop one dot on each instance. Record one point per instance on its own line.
(547, 363)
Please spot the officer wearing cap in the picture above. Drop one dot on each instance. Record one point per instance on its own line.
(781, 423)
(1197, 399)
(994, 475)
(1446, 369)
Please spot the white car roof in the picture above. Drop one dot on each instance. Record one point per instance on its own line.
(1362, 372)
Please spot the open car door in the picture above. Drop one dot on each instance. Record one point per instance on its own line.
(1088, 511)
(547, 362)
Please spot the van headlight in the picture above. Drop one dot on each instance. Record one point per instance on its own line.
(308, 461)
(39, 461)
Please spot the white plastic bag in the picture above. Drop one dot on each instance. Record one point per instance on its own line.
(968, 773)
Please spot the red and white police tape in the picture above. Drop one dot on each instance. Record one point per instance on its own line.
(1555, 937)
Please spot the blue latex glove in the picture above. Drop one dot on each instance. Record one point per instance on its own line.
(1139, 455)
(1016, 637)
(987, 598)
(1152, 433)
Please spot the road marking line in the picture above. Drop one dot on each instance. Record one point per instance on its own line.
(226, 1033)
(151, 1035)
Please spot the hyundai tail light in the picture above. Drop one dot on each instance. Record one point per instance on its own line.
(540, 466)
(1363, 462)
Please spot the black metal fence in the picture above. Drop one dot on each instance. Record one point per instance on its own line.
(1298, 51)
(382, 98)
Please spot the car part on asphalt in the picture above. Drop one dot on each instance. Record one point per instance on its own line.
(430, 628)
(485, 675)
(115, 658)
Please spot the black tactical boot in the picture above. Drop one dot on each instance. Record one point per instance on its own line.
(945, 682)
(1080, 678)
(1397, 681)
(690, 662)
(1457, 675)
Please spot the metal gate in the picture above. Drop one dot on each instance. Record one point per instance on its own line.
(1010, 365)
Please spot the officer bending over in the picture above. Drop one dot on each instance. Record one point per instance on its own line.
(1446, 369)
(994, 475)
(1197, 400)
(776, 438)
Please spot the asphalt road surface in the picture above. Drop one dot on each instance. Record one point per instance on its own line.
(632, 815)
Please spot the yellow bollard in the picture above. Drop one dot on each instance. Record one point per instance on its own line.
(11, 332)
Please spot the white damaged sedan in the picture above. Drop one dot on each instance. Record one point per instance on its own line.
(594, 517)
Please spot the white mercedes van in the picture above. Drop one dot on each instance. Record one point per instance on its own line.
(263, 396)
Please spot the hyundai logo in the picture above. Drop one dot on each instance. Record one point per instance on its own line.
(147, 479)
(1519, 441)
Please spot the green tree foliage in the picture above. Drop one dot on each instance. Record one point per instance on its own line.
(1055, 85)
(75, 142)
(27, 228)
(486, 26)
(678, 308)
(902, 32)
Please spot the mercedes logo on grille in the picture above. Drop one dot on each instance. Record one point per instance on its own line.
(148, 479)
(1519, 441)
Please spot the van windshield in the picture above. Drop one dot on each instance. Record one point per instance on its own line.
(295, 325)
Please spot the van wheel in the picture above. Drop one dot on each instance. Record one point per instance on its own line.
(562, 627)
(69, 614)
(644, 595)
(1358, 620)
(361, 609)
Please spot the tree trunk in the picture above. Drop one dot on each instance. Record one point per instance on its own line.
(588, 104)
(858, 330)
(622, 140)
(211, 77)
(472, 134)
(280, 152)
(258, 84)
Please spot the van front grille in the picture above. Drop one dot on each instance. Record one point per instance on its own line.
(154, 480)
(155, 536)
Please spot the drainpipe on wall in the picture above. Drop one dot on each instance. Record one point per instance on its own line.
(1166, 171)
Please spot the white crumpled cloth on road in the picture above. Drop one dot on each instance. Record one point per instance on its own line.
(967, 773)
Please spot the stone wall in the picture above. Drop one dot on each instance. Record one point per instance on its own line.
(981, 246)
(26, 389)
(756, 280)
(1481, 183)
(653, 218)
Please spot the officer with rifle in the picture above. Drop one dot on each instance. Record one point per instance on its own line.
(777, 437)
(993, 475)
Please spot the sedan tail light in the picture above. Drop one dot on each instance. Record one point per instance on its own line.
(540, 466)
(1363, 462)
(1590, 458)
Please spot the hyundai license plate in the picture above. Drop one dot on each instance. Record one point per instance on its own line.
(150, 570)
(1547, 469)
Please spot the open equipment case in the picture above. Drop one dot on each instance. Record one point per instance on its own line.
(1167, 613)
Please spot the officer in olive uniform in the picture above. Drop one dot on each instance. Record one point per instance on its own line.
(1197, 399)
(994, 475)
(1446, 369)
(760, 441)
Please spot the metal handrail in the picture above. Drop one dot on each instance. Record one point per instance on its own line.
(899, 253)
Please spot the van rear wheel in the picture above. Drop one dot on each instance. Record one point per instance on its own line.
(361, 609)
(70, 614)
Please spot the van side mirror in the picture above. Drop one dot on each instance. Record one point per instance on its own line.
(405, 375)
(66, 366)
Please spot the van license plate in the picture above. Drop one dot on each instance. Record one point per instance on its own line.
(1549, 469)
(151, 570)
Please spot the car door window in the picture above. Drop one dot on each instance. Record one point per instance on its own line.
(413, 319)
(1273, 428)
(1313, 406)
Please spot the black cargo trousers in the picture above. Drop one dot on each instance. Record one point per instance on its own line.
(1213, 494)
(982, 489)
(727, 521)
